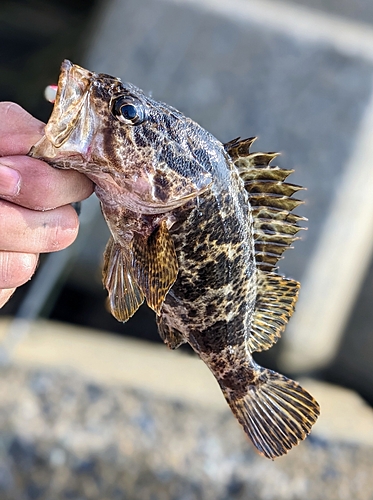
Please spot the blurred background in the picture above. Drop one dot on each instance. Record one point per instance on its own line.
(296, 74)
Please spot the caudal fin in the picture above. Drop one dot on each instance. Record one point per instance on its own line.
(276, 413)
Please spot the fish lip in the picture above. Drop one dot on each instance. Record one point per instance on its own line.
(45, 150)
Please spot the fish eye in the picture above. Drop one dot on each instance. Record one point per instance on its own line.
(128, 110)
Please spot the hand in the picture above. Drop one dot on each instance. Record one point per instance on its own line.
(35, 211)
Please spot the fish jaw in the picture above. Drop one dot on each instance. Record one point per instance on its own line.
(45, 150)
(68, 112)
(71, 127)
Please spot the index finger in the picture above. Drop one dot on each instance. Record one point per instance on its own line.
(18, 129)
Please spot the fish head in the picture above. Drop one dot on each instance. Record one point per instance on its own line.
(139, 152)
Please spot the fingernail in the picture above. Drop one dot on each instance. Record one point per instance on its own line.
(10, 181)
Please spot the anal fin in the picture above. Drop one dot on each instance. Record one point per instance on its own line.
(155, 264)
(275, 303)
(276, 412)
(125, 297)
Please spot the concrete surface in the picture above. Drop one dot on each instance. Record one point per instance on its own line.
(86, 415)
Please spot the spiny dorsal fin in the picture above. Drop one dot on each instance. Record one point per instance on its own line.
(125, 296)
(275, 303)
(271, 200)
(238, 147)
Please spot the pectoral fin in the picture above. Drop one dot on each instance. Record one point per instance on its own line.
(155, 265)
(125, 296)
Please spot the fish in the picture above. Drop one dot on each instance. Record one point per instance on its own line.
(197, 229)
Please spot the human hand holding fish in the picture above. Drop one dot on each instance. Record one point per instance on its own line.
(35, 211)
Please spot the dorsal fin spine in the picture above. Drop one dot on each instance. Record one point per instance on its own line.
(274, 230)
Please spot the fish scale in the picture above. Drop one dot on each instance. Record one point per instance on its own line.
(197, 229)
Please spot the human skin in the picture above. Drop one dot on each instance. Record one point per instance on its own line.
(35, 211)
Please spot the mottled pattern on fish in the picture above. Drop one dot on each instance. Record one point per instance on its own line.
(197, 230)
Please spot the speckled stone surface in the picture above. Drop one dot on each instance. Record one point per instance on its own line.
(63, 436)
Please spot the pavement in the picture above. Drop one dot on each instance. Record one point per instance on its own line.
(89, 415)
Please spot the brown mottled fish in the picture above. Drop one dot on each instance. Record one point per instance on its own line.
(197, 228)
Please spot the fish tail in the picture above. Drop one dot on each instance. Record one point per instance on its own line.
(275, 412)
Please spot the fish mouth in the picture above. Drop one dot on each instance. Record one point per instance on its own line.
(72, 92)
(71, 117)
(44, 150)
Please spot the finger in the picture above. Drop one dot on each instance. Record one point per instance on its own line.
(40, 186)
(16, 268)
(5, 296)
(29, 231)
(18, 129)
